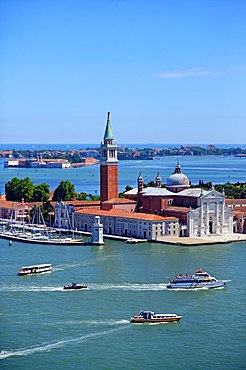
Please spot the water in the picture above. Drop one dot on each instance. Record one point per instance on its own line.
(219, 169)
(44, 327)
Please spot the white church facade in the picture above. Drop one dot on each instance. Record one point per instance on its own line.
(211, 216)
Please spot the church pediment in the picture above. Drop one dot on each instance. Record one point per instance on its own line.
(211, 194)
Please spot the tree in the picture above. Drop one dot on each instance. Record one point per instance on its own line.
(82, 196)
(27, 188)
(127, 188)
(64, 191)
(94, 197)
(15, 154)
(41, 193)
(11, 188)
(17, 189)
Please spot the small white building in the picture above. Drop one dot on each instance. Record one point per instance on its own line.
(97, 232)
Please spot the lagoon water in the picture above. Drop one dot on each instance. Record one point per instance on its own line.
(44, 327)
(219, 169)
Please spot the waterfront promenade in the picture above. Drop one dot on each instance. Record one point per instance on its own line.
(186, 241)
(211, 239)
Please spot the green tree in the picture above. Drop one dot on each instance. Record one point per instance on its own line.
(64, 191)
(127, 188)
(82, 196)
(41, 193)
(27, 188)
(94, 197)
(11, 189)
(15, 154)
(16, 189)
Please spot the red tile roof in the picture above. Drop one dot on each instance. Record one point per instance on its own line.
(177, 209)
(235, 201)
(120, 200)
(81, 203)
(122, 213)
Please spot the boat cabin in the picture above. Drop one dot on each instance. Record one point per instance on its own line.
(147, 315)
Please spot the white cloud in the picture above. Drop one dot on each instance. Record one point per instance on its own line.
(185, 73)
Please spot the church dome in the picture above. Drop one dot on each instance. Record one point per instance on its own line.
(178, 181)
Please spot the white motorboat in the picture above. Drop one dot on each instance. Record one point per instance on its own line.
(35, 269)
(152, 317)
(199, 280)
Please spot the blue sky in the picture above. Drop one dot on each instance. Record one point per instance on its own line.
(169, 71)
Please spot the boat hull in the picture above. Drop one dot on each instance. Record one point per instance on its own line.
(197, 285)
(142, 320)
(69, 287)
(39, 240)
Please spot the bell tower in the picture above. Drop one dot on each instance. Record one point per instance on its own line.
(108, 165)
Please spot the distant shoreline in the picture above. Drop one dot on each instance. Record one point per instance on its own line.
(76, 146)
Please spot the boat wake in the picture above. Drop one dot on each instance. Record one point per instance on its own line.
(107, 322)
(100, 287)
(91, 286)
(47, 347)
(132, 287)
(18, 288)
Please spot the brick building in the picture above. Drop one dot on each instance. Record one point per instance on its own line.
(199, 212)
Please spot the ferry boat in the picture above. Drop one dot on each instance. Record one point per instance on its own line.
(75, 286)
(199, 280)
(152, 317)
(35, 269)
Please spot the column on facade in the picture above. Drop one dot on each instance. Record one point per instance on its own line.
(191, 231)
(222, 213)
(207, 218)
(217, 217)
(202, 224)
(217, 213)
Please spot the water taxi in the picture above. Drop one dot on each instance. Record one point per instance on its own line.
(35, 269)
(152, 317)
(201, 279)
(74, 286)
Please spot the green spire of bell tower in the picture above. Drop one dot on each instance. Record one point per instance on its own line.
(108, 131)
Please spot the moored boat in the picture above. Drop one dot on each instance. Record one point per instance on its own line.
(35, 269)
(201, 279)
(40, 239)
(74, 286)
(152, 317)
(131, 241)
